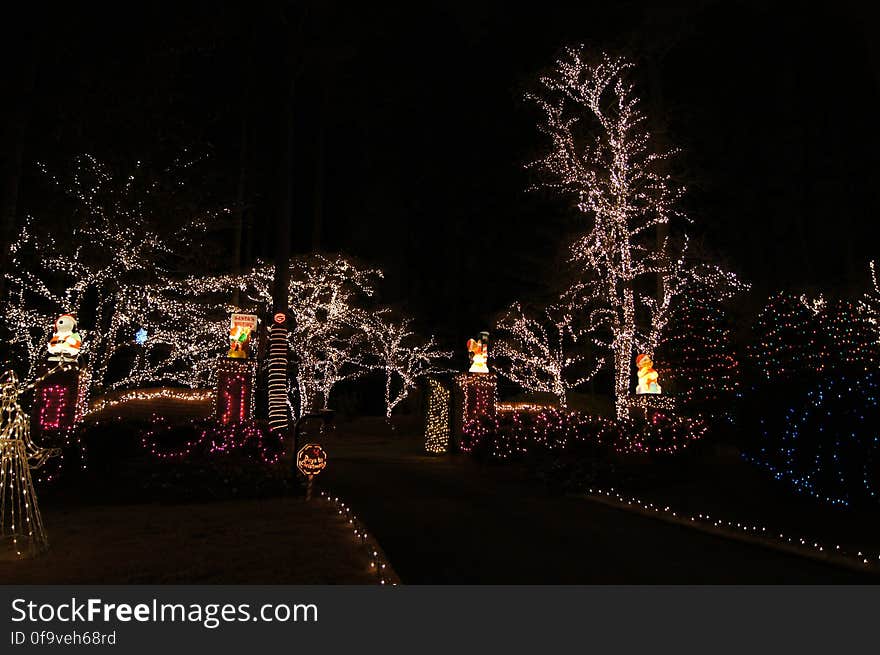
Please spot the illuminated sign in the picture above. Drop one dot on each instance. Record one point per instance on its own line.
(311, 459)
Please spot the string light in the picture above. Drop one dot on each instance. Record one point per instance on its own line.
(20, 519)
(401, 356)
(741, 529)
(538, 352)
(438, 417)
(379, 564)
(513, 434)
(617, 182)
(477, 395)
(236, 382)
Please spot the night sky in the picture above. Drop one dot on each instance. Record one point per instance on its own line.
(410, 132)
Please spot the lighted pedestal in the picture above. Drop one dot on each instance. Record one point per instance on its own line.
(476, 395)
(641, 405)
(234, 400)
(60, 403)
(438, 416)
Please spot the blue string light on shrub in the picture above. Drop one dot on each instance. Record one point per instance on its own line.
(830, 447)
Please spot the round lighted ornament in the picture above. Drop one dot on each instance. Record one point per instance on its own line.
(311, 459)
(279, 318)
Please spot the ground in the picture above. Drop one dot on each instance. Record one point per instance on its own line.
(266, 541)
(440, 519)
(449, 519)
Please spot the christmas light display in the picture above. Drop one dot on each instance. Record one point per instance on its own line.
(240, 330)
(401, 355)
(647, 375)
(697, 360)
(478, 353)
(617, 180)
(539, 352)
(104, 404)
(65, 342)
(211, 439)
(789, 341)
(438, 417)
(113, 268)
(60, 400)
(851, 337)
(745, 530)
(513, 434)
(378, 562)
(277, 382)
(870, 303)
(21, 526)
(234, 400)
(476, 396)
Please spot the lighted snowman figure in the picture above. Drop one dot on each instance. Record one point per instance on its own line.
(65, 342)
(647, 376)
(478, 351)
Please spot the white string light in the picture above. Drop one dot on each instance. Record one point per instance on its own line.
(617, 181)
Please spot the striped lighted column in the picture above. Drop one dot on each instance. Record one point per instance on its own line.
(278, 419)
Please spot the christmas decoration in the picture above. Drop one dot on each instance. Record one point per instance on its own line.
(113, 268)
(210, 439)
(21, 526)
(478, 353)
(616, 178)
(278, 350)
(647, 375)
(540, 352)
(476, 395)
(789, 342)
(240, 330)
(438, 417)
(311, 459)
(65, 342)
(234, 400)
(401, 355)
(697, 360)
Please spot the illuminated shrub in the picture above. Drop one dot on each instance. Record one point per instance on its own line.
(830, 444)
(516, 435)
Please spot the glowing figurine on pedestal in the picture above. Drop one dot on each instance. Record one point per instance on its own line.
(65, 342)
(239, 338)
(478, 351)
(647, 376)
(241, 326)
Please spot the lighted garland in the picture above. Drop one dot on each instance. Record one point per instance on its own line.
(211, 439)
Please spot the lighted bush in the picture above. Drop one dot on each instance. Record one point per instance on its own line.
(515, 435)
(830, 445)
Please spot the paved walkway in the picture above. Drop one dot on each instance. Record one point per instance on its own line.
(450, 520)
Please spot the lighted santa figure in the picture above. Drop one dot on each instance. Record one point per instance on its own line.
(65, 342)
(239, 338)
(478, 351)
(647, 376)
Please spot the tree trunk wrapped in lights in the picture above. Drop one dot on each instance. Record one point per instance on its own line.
(602, 157)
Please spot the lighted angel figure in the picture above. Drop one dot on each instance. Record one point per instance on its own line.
(647, 376)
(65, 342)
(478, 351)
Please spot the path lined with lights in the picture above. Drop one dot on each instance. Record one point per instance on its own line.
(447, 519)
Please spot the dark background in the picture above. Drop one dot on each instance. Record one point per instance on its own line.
(409, 132)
